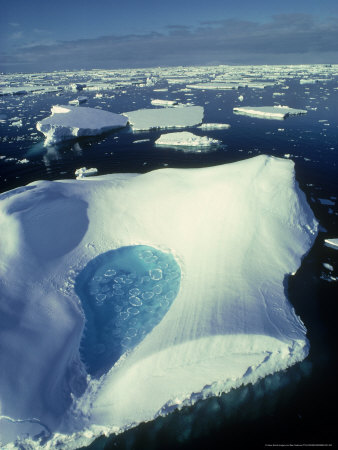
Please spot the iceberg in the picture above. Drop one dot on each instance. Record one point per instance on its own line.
(159, 102)
(214, 126)
(69, 122)
(84, 172)
(269, 112)
(178, 117)
(204, 312)
(185, 138)
(332, 243)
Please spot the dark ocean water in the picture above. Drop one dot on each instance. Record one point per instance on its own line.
(298, 405)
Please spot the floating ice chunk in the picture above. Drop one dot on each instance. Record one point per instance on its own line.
(212, 86)
(214, 126)
(333, 243)
(23, 161)
(158, 102)
(78, 100)
(68, 122)
(185, 138)
(241, 98)
(269, 112)
(178, 117)
(324, 201)
(84, 172)
(328, 266)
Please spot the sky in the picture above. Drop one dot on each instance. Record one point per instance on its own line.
(38, 36)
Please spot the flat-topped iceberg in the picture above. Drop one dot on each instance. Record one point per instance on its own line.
(178, 117)
(214, 126)
(185, 138)
(158, 102)
(269, 112)
(71, 251)
(69, 122)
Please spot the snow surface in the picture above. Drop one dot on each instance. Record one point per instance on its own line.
(69, 122)
(185, 138)
(178, 117)
(236, 230)
(269, 112)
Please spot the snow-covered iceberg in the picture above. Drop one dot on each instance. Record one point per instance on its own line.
(69, 122)
(185, 139)
(269, 112)
(236, 232)
(176, 117)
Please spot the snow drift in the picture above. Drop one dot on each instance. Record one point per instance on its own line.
(237, 231)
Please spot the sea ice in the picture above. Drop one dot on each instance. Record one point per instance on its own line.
(68, 122)
(214, 126)
(164, 102)
(178, 117)
(235, 231)
(185, 138)
(333, 243)
(84, 172)
(269, 112)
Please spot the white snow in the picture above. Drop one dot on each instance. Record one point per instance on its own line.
(269, 112)
(68, 122)
(84, 172)
(236, 230)
(178, 117)
(214, 126)
(185, 138)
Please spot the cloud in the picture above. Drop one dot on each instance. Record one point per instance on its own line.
(284, 39)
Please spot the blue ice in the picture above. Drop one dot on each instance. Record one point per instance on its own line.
(125, 293)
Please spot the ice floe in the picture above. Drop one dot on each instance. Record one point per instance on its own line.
(185, 138)
(214, 126)
(84, 172)
(333, 243)
(269, 112)
(178, 117)
(236, 231)
(158, 102)
(69, 122)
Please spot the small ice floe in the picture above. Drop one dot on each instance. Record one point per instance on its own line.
(77, 86)
(159, 102)
(328, 267)
(139, 141)
(326, 202)
(214, 126)
(23, 161)
(269, 112)
(78, 101)
(241, 98)
(212, 86)
(84, 172)
(185, 139)
(179, 117)
(69, 122)
(332, 243)
(16, 123)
